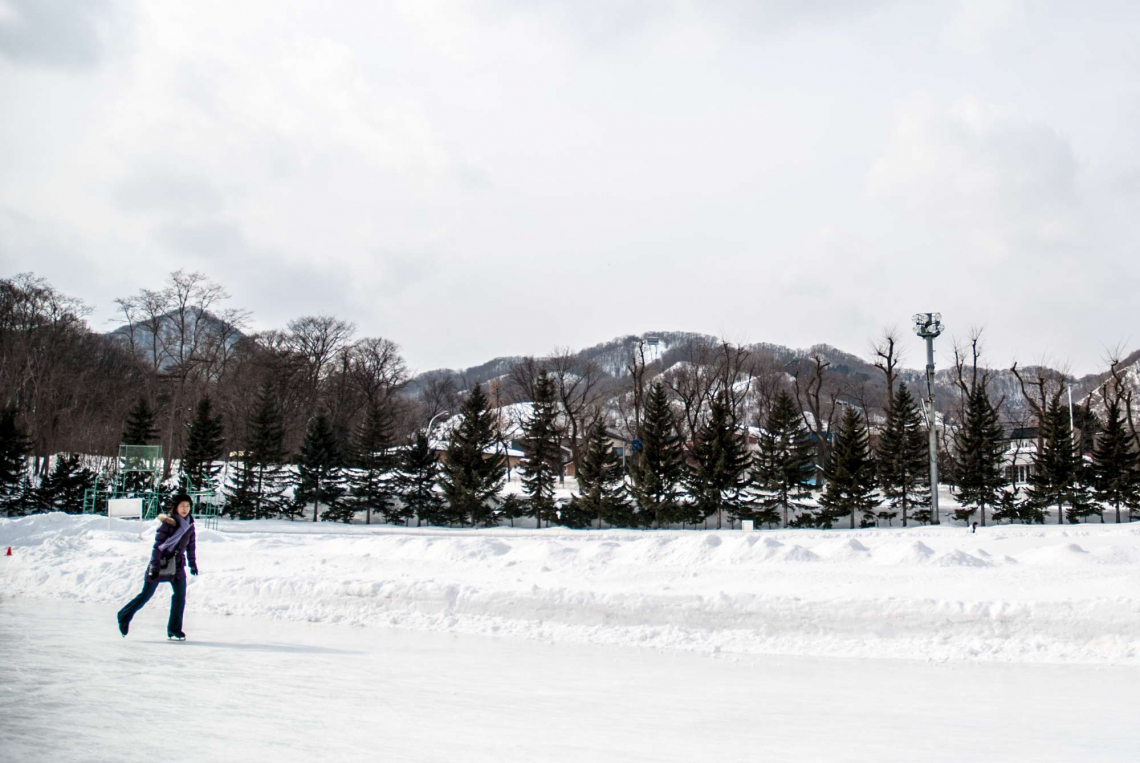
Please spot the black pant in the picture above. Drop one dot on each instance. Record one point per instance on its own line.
(177, 603)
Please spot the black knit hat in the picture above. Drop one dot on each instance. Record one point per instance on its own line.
(179, 499)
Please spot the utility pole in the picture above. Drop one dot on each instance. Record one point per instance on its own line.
(317, 496)
(929, 326)
(1072, 423)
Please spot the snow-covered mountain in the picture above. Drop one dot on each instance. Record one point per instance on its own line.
(665, 350)
(177, 336)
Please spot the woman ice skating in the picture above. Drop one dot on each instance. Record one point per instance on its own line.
(174, 543)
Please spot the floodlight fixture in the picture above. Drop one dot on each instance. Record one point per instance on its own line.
(928, 325)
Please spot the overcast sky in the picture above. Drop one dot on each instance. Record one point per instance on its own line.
(508, 176)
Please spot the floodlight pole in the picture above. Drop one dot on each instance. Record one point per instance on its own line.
(928, 326)
(933, 430)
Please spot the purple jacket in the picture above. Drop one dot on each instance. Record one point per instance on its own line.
(185, 548)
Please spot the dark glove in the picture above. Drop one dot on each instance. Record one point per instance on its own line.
(151, 572)
(193, 570)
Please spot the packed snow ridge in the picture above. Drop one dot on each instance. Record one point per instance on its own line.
(1007, 593)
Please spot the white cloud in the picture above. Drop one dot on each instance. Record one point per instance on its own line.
(503, 177)
(54, 33)
(982, 168)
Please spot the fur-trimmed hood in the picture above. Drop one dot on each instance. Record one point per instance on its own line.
(171, 521)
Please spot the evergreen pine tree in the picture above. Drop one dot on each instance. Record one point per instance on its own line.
(719, 475)
(1011, 507)
(257, 492)
(474, 470)
(784, 464)
(543, 451)
(416, 481)
(511, 508)
(203, 446)
(1088, 426)
(1053, 481)
(904, 457)
(886, 515)
(850, 475)
(1116, 472)
(63, 488)
(140, 429)
(1083, 502)
(658, 467)
(602, 495)
(373, 481)
(979, 456)
(241, 493)
(1006, 508)
(15, 497)
(265, 452)
(320, 476)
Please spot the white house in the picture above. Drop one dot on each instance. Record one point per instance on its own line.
(1020, 450)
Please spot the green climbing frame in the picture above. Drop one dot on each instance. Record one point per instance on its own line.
(137, 473)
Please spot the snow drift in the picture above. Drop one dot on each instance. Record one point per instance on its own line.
(1008, 593)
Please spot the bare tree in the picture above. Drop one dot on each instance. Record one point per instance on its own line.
(1047, 384)
(968, 371)
(175, 333)
(316, 339)
(440, 392)
(1122, 392)
(769, 377)
(631, 402)
(735, 371)
(888, 354)
(692, 381)
(496, 393)
(577, 385)
(64, 383)
(377, 369)
(817, 395)
(523, 376)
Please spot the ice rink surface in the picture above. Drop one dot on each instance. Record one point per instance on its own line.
(251, 689)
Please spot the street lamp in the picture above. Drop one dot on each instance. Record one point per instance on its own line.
(431, 423)
(929, 326)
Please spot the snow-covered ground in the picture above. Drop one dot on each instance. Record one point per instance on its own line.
(252, 689)
(1006, 594)
(318, 641)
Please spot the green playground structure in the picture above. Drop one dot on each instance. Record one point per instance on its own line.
(137, 473)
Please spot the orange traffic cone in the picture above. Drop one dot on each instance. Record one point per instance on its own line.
(9, 551)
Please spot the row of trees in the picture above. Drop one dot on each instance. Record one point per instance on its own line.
(1079, 472)
(309, 415)
(71, 388)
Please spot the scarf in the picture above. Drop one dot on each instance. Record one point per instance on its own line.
(167, 547)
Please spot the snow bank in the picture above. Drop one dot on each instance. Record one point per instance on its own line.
(1008, 593)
